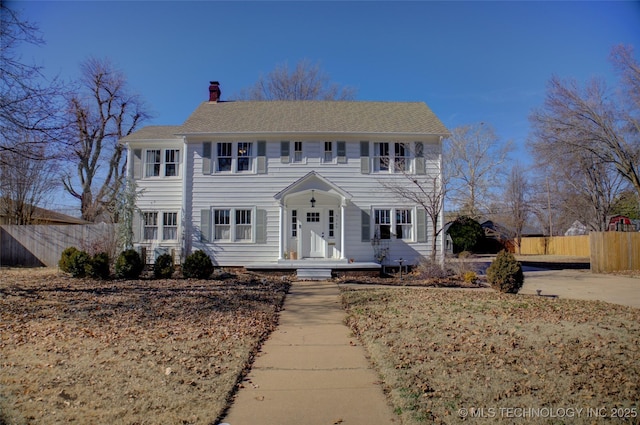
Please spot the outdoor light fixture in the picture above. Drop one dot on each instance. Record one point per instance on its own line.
(313, 199)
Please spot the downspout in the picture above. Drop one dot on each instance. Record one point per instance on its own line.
(441, 235)
(186, 214)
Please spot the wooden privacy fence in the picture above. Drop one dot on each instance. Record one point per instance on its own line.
(42, 245)
(613, 251)
(577, 246)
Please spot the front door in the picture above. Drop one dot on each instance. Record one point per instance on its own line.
(313, 237)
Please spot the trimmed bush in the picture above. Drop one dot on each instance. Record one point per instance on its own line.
(163, 267)
(98, 266)
(197, 265)
(505, 273)
(78, 263)
(129, 265)
(65, 259)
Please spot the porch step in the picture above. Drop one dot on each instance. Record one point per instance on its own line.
(314, 273)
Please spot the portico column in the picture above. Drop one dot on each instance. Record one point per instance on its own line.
(342, 247)
(281, 235)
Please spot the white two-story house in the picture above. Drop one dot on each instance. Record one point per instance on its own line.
(268, 183)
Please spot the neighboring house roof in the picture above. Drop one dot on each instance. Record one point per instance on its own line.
(494, 229)
(313, 117)
(44, 216)
(577, 229)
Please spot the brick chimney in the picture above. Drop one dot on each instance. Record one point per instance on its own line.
(214, 91)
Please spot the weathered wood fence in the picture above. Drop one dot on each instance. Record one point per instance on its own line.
(607, 251)
(613, 251)
(42, 245)
(577, 246)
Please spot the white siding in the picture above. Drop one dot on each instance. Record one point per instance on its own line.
(160, 194)
(249, 190)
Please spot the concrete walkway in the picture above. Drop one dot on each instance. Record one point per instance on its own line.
(311, 370)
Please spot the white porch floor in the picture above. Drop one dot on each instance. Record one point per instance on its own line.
(313, 263)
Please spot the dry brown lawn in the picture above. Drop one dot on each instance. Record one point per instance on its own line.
(127, 352)
(442, 350)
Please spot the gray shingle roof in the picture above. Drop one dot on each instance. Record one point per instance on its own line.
(313, 117)
(301, 117)
(154, 132)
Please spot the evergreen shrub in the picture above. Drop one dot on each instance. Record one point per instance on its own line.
(505, 273)
(78, 263)
(197, 265)
(129, 265)
(98, 266)
(65, 259)
(163, 267)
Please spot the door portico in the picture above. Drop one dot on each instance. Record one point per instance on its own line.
(312, 219)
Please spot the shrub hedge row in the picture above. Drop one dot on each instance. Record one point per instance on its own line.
(129, 265)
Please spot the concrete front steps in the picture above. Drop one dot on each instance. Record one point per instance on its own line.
(315, 273)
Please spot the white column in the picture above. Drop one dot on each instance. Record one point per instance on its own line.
(281, 237)
(342, 247)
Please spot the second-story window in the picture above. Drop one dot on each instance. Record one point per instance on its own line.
(152, 168)
(162, 162)
(381, 157)
(234, 157)
(328, 152)
(244, 156)
(297, 151)
(225, 154)
(401, 158)
(171, 161)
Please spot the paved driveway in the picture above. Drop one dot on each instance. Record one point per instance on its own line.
(584, 285)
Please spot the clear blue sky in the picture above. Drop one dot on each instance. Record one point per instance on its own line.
(469, 61)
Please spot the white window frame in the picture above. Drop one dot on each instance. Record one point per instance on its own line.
(236, 220)
(158, 168)
(404, 222)
(150, 224)
(382, 217)
(173, 226)
(401, 157)
(244, 151)
(152, 165)
(396, 158)
(158, 226)
(233, 153)
(221, 223)
(171, 158)
(330, 153)
(297, 154)
(393, 220)
(224, 154)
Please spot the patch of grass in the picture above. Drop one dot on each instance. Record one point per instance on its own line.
(442, 350)
(128, 351)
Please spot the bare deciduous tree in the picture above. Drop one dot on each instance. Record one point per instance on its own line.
(26, 180)
(583, 187)
(475, 159)
(102, 112)
(590, 120)
(516, 199)
(27, 101)
(306, 81)
(428, 191)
